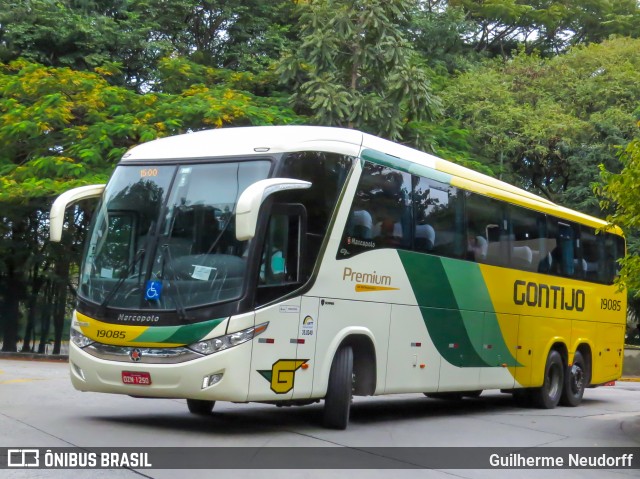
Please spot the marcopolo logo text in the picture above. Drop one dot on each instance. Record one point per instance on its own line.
(139, 318)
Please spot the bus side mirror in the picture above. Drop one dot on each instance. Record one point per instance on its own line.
(250, 200)
(62, 202)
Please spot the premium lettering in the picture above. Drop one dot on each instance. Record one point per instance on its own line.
(370, 278)
(548, 296)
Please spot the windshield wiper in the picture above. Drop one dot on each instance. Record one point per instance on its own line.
(180, 309)
(121, 281)
(229, 218)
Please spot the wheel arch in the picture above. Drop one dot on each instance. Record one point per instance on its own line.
(586, 352)
(365, 365)
(561, 347)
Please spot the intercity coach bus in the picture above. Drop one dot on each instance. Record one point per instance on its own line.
(294, 264)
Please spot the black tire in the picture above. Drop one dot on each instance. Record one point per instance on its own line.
(548, 396)
(337, 402)
(200, 407)
(575, 382)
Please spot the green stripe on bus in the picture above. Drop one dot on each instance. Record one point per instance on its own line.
(468, 285)
(472, 294)
(407, 166)
(187, 334)
(446, 325)
(457, 309)
(499, 353)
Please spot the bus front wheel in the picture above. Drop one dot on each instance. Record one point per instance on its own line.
(200, 407)
(337, 403)
(548, 396)
(575, 381)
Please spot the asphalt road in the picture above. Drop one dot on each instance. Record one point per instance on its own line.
(40, 408)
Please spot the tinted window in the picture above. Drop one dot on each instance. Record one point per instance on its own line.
(486, 233)
(614, 251)
(381, 214)
(563, 243)
(600, 255)
(594, 255)
(439, 218)
(327, 173)
(442, 220)
(529, 246)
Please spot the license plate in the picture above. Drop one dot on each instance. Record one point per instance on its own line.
(130, 377)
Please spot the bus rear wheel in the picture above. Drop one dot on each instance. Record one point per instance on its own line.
(575, 381)
(200, 407)
(548, 396)
(337, 402)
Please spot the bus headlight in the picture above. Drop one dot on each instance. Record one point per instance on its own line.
(221, 343)
(80, 339)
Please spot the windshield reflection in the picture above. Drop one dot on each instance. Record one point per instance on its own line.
(191, 258)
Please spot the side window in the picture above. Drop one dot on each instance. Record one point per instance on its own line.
(486, 230)
(381, 214)
(439, 218)
(528, 248)
(279, 264)
(564, 244)
(614, 250)
(282, 269)
(594, 256)
(327, 173)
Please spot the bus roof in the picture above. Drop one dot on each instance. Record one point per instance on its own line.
(254, 140)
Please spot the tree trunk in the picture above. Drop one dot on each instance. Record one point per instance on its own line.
(45, 316)
(32, 308)
(62, 273)
(14, 281)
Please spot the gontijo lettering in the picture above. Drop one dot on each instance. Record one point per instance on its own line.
(548, 296)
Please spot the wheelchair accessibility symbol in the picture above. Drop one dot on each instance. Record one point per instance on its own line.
(153, 290)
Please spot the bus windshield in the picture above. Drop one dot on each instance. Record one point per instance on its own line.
(163, 237)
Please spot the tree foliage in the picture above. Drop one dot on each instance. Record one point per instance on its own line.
(61, 128)
(538, 92)
(548, 26)
(546, 124)
(138, 34)
(619, 196)
(355, 68)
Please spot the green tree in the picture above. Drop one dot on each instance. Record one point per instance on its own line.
(546, 124)
(548, 26)
(619, 196)
(137, 34)
(61, 128)
(355, 68)
(438, 31)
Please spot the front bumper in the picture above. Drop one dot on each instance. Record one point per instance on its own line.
(179, 380)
